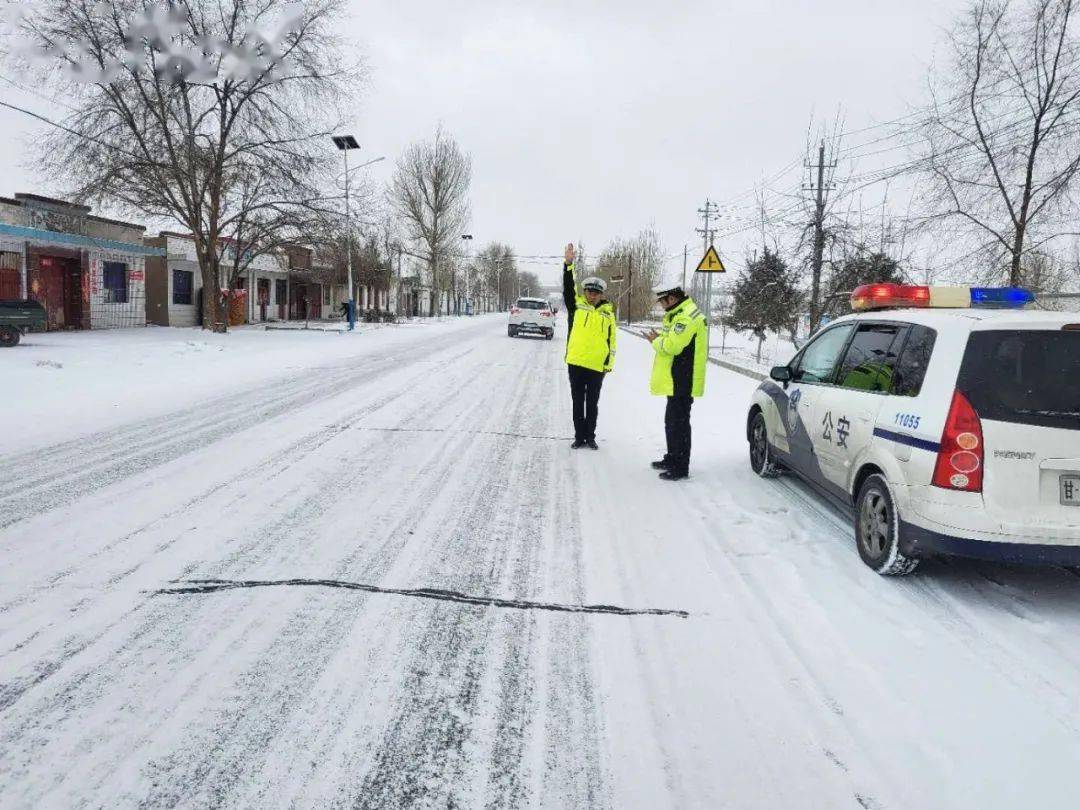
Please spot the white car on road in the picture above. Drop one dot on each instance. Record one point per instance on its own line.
(947, 419)
(531, 316)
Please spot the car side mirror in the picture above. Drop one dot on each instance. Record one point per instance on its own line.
(781, 374)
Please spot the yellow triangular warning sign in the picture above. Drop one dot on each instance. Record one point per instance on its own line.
(711, 263)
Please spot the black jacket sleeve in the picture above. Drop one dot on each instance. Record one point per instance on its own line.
(569, 290)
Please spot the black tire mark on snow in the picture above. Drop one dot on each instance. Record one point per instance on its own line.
(203, 586)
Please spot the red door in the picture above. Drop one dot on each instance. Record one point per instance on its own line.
(10, 285)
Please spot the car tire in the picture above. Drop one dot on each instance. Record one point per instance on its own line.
(550, 334)
(511, 332)
(9, 336)
(761, 460)
(877, 530)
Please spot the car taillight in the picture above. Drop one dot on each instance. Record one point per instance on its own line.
(546, 313)
(514, 310)
(960, 460)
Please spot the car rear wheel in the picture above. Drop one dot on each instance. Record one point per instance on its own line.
(877, 530)
(550, 334)
(9, 336)
(761, 460)
(511, 331)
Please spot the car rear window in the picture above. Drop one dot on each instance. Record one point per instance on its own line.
(1024, 377)
(522, 304)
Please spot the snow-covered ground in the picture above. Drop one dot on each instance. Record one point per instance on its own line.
(362, 585)
(66, 384)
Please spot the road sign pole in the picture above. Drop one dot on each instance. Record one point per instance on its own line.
(708, 307)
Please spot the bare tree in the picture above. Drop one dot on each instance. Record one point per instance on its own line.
(497, 270)
(1002, 140)
(640, 262)
(430, 192)
(528, 283)
(186, 114)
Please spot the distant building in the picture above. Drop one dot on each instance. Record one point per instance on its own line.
(87, 271)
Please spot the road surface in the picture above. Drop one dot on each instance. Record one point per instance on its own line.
(387, 582)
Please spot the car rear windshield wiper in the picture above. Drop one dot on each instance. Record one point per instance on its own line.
(1029, 412)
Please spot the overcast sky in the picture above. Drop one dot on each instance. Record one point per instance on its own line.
(587, 121)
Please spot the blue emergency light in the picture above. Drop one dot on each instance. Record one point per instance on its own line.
(1005, 297)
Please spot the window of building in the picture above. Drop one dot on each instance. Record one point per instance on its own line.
(183, 286)
(115, 283)
(871, 357)
(326, 295)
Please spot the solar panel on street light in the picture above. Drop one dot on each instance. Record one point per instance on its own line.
(344, 142)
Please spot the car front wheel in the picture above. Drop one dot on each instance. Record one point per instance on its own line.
(877, 529)
(761, 460)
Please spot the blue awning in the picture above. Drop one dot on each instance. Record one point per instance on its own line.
(76, 240)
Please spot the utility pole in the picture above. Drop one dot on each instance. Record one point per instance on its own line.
(708, 234)
(685, 251)
(818, 256)
(629, 285)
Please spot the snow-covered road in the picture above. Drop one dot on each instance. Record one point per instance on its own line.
(364, 588)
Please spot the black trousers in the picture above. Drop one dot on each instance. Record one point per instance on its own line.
(585, 389)
(677, 427)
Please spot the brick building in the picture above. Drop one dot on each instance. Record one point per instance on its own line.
(87, 271)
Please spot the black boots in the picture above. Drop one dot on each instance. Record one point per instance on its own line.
(591, 444)
(674, 475)
(578, 444)
(662, 464)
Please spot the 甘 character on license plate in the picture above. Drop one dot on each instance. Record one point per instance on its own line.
(1070, 490)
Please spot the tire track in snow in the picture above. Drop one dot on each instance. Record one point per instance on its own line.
(293, 521)
(924, 593)
(63, 474)
(235, 680)
(262, 541)
(466, 661)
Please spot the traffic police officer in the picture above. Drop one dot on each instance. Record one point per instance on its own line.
(678, 373)
(590, 348)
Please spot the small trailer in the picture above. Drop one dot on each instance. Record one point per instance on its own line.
(16, 317)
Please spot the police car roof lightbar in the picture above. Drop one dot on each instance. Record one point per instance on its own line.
(888, 296)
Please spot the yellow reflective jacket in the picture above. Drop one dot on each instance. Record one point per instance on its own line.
(591, 339)
(682, 351)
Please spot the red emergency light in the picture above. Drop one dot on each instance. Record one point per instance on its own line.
(882, 296)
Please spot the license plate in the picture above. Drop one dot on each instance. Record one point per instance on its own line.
(1070, 490)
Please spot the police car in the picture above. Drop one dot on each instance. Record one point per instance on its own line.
(947, 419)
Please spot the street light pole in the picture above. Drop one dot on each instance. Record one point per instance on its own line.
(346, 143)
(467, 239)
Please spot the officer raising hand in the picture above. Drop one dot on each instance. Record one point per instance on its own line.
(590, 348)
